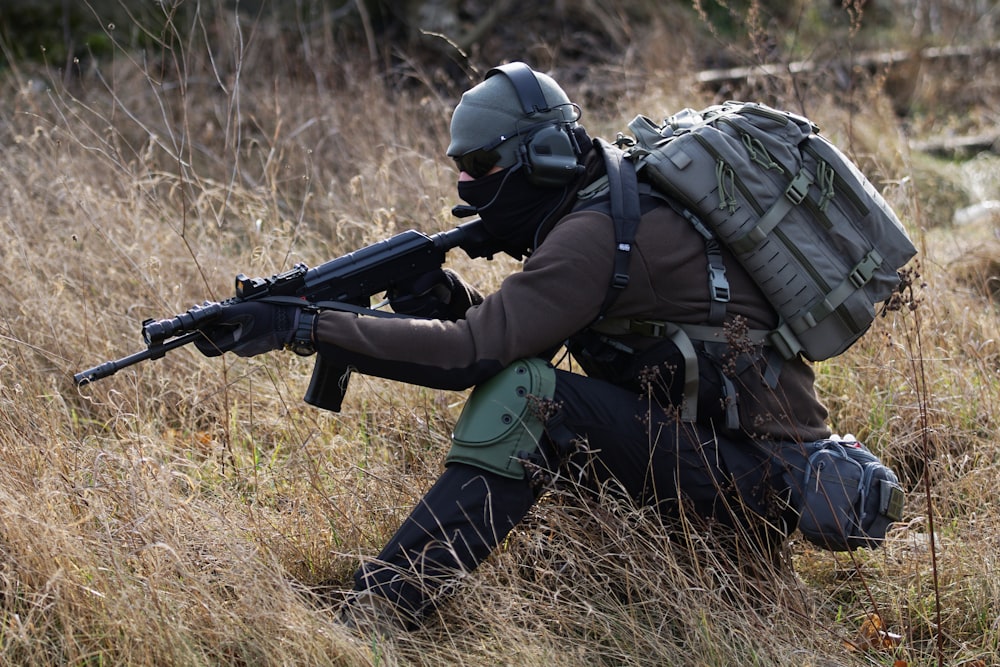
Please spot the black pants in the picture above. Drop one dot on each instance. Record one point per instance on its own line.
(646, 451)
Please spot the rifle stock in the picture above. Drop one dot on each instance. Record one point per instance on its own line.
(349, 281)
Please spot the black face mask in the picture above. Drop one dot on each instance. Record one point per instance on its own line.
(511, 208)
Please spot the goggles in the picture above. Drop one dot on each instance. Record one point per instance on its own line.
(478, 162)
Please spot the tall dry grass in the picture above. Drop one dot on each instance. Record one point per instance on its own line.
(180, 512)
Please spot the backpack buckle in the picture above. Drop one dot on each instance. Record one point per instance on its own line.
(865, 269)
(718, 284)
(799, 187)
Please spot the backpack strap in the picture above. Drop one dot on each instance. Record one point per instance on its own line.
(718, 284)
(623, 185)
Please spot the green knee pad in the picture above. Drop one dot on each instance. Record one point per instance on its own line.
(497, 422)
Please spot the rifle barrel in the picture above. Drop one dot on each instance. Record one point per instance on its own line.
(152, 352)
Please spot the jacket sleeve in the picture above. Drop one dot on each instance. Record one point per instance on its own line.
(558, 292)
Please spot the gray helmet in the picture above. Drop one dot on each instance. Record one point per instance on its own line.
(503, 107)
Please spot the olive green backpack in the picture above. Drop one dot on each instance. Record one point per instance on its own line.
(810, 229)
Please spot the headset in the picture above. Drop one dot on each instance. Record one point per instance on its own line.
(549, 153)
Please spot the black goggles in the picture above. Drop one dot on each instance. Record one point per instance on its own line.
(478, 162)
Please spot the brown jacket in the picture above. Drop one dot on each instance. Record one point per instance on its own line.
(559, 293)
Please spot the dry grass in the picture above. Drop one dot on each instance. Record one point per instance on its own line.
(173, 514)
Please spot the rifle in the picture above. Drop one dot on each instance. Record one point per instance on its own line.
(349, 281)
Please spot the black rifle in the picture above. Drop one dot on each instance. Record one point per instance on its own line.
(350, 281)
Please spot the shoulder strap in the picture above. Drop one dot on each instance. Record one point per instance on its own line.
(624, 192)
(718, 284)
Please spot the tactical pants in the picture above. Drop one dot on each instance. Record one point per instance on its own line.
(643, 448)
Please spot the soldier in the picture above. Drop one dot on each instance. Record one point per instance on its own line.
(534, 176)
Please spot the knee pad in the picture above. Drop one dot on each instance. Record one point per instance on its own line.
(497, 427)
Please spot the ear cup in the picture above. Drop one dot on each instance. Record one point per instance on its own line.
(549, 155)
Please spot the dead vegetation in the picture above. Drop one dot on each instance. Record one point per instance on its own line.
(178, 512)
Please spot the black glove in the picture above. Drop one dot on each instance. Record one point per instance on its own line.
(438, 294)
(250, 328)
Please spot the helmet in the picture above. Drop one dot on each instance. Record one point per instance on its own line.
(516, 116)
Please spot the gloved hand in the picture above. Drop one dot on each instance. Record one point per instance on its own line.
(250, 328)
(438, 294)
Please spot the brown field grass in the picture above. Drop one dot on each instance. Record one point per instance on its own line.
(180, 511)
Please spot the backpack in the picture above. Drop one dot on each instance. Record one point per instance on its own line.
(810, 229)
(844, 496)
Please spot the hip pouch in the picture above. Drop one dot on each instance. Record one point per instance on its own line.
(658, 371)
(845, 497)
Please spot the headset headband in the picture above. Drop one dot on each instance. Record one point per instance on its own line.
(548, 150)
(529, 91)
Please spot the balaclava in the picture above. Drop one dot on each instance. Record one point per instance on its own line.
(511, 206)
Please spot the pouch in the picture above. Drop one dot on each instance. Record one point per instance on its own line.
(845, 496)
